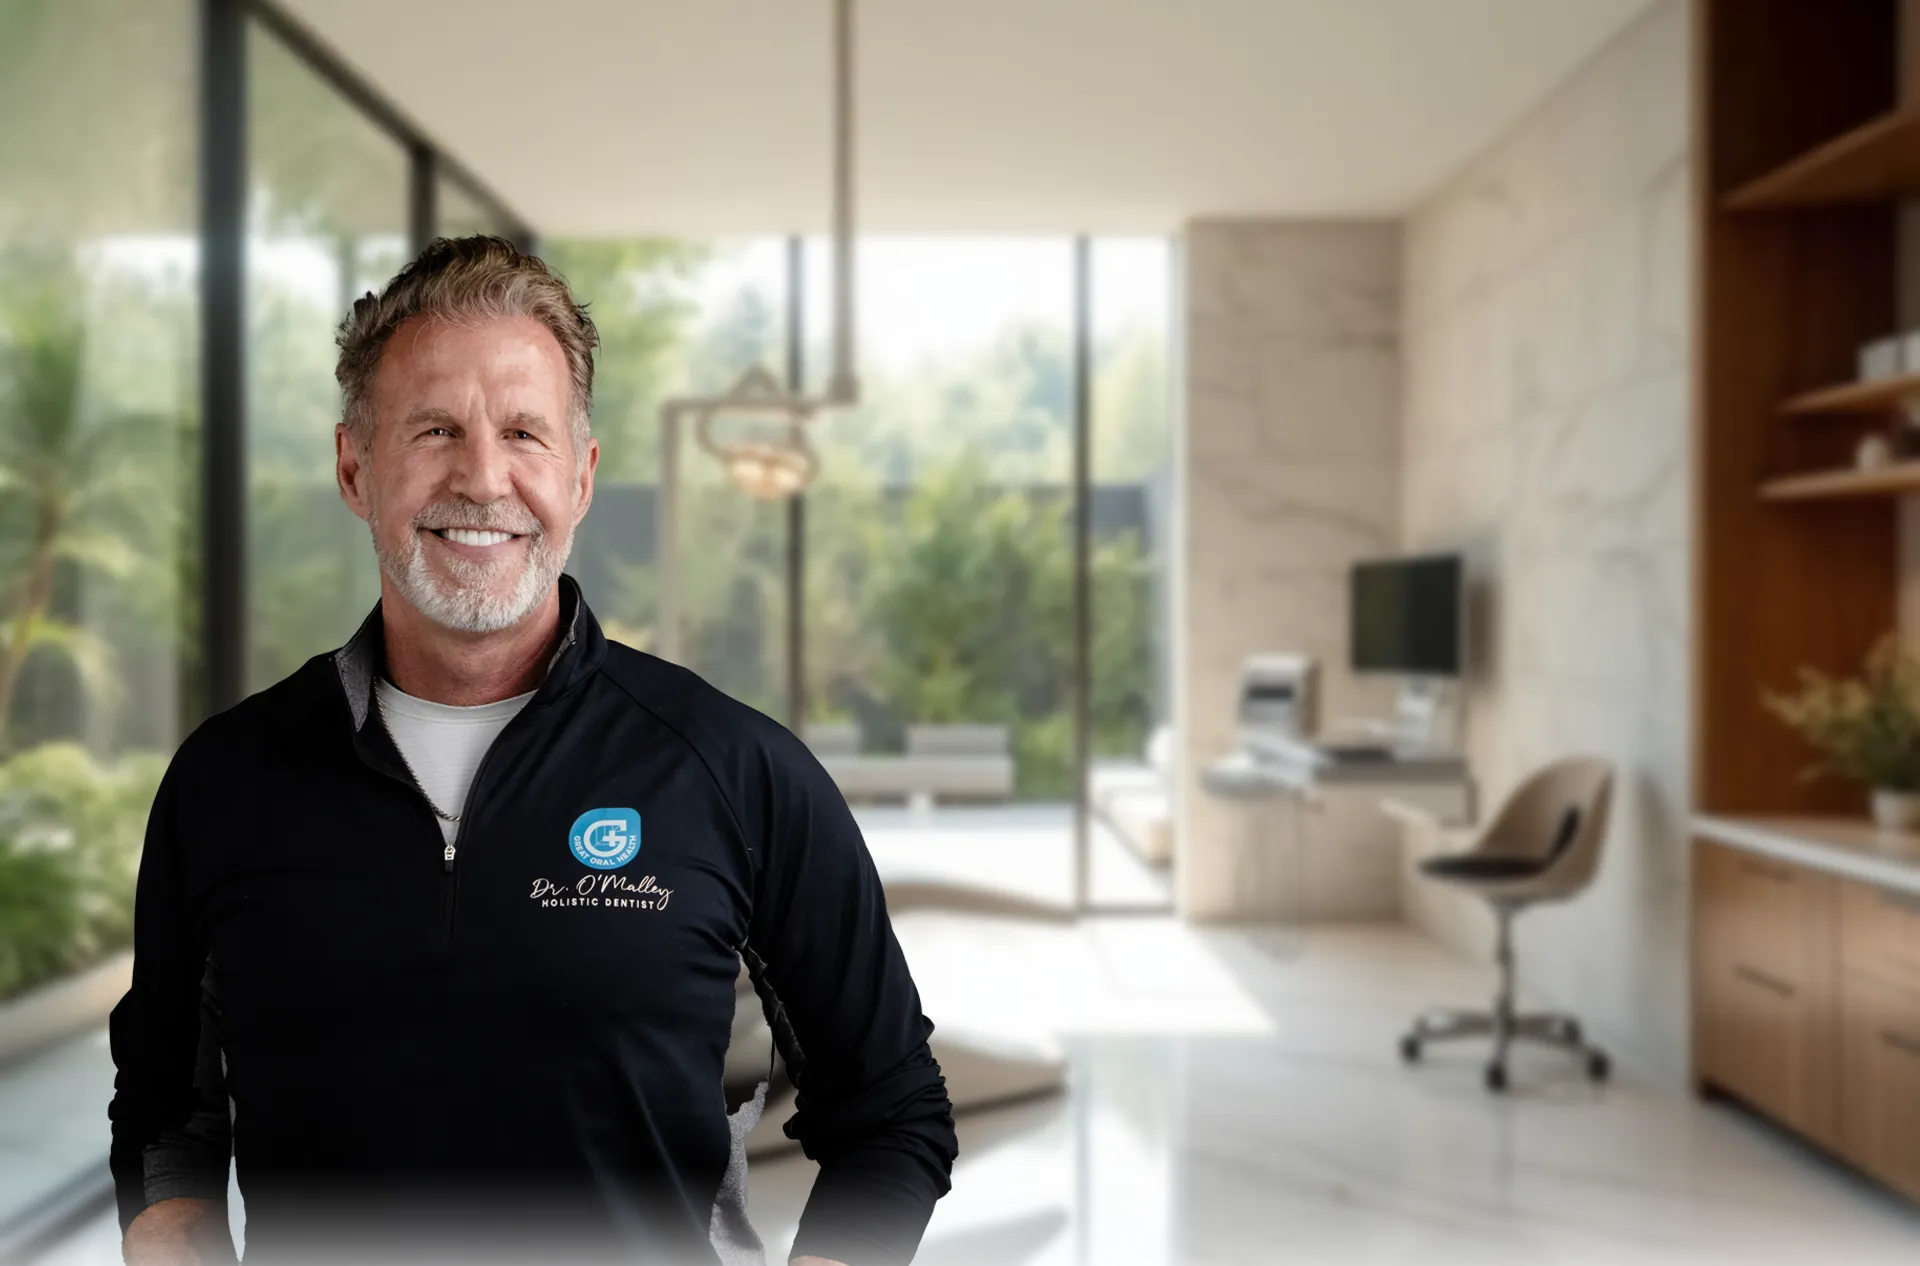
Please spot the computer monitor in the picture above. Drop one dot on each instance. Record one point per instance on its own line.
(1407, 616)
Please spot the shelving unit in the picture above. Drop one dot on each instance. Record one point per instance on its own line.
(1832, 485)
(1879, 161)
(1807, 138)
(1882, 395)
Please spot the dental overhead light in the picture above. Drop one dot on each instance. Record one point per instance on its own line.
(758, 428)
(759, 432)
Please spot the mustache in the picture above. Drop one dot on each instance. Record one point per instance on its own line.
(503, 515)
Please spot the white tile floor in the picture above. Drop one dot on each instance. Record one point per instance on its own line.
(53, 1121)
(1236, 1098)
(1022, 849)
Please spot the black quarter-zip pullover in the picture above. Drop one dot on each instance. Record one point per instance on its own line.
(521, 1033)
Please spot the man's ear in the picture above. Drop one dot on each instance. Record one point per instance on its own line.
(583, 495)
(349, 471)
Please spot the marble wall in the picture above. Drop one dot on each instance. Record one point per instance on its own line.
(1288, 471)
(1546, 421)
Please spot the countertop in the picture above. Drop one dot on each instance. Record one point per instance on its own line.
(1850, 847)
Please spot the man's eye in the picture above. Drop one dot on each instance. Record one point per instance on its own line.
(438, 430)
(523, 435)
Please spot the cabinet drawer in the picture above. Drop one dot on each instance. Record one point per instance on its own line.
(1766, 1045)
(1880, 933)
(1769, 916)
(1880, 1081)
(1765, 997)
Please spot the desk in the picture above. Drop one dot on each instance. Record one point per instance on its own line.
(1317, 845)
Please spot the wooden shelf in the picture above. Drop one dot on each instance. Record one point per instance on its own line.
(1878, 161)
(1896, 480)
(1881, 395)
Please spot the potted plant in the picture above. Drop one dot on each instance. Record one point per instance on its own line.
(1865, 728)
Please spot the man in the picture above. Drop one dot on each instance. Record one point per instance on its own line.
(464, 902)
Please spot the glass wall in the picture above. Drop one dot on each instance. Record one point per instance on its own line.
(326, 222)
(680, 319)
(939, 534)
(99, 361)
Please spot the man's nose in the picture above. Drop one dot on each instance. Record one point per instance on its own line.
(482, 471)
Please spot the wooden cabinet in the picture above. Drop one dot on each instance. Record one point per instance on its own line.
(1807, 1005)
(1766, 987)
(1880, 1081)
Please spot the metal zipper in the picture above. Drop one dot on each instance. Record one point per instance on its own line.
(452, 850)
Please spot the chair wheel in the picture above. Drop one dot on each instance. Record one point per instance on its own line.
(1497, 1078)
(1598, 1067)
(1410, 1049)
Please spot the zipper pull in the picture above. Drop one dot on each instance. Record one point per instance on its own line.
(449, 856)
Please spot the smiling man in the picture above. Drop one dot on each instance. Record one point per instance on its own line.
(438, 937)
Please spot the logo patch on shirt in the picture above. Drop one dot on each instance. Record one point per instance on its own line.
(605, 839)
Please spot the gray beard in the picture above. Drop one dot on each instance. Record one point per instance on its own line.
(466, 601)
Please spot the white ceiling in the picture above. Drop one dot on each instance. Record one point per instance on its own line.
(710, 116)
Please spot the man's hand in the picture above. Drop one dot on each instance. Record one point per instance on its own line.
(179, 1232)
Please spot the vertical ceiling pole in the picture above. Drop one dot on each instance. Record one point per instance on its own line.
(223, 209)
(843, 387)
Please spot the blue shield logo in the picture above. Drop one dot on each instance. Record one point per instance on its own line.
(605, 839)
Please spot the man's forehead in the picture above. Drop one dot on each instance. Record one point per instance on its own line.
(432, 339)
(513, 354)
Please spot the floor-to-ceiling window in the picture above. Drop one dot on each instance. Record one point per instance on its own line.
(938, 549)
(99, 386)
(936, 552)
(119, 162)
(938, 539)
(326, 222)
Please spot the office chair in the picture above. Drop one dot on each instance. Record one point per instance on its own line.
(1543, 846)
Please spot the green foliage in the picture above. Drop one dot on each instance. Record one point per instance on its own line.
(968, 597)
(79, 482)
(70, 835)
(1865, 728)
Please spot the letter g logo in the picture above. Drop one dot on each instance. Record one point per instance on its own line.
(605, 839)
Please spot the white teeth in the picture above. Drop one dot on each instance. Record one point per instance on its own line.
(468, 536)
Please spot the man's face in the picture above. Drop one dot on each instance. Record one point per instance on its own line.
(470, 483)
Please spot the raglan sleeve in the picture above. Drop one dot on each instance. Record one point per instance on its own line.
(171, 1135)
(872, 1106)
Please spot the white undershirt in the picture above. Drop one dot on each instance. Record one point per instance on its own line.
(443, 744)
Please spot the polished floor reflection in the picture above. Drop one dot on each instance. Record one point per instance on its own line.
(1019, 850)
(1236, 1098)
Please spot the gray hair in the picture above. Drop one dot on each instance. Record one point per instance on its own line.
(465, 279)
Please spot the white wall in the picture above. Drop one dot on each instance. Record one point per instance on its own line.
(1288, 471)
(1547, 363)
